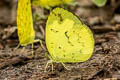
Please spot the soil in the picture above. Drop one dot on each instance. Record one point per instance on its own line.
(17, 64)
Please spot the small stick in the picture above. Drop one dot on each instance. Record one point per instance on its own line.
(12, 61)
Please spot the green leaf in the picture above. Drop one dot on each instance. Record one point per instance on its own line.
(99, 3)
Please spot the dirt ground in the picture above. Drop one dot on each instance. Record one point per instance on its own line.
(104, 63)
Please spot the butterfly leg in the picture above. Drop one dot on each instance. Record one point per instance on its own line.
(52, 66)
(32, 50)
(32, 56)
(23, 50)
(49, 62)
(65, 66)
(38, 40)
(17, 47)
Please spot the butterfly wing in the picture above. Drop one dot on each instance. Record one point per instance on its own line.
(46, 3)
(26, 32)
(50, 3)
(67, 38)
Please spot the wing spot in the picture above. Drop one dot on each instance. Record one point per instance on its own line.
(27, 3)
(53, 30)
(72, 57)
(51, 42)
(68, 38)
(60, 16)
(73, 31)
(73, 54)
(78, 40)
(20, 34)
(66, 34)
(83, 45)
(70, 43)
(80, 51)
(64, 55)
(80, 37)
(26, 9)
(64, 51)
(59, 47)
(54, 13)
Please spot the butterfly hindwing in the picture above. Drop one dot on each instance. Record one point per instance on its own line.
(67, 38)
(26, 32)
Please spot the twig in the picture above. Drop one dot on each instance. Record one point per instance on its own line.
(13, 57)
(12, 61)
(105, 29)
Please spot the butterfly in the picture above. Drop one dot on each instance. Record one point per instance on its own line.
(67, 38)
(50, 3)
(25, 30)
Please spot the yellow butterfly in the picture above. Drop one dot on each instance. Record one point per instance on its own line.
(50, 3)
(67, 38)
(25, 28)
